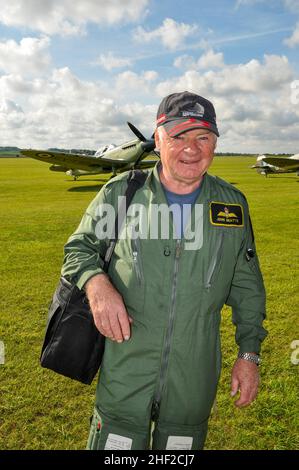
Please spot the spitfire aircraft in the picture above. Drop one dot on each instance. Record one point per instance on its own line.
(108, 159)
(265, 165)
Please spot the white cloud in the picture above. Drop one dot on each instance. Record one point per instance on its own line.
(110, 61)
(251, 77)
(208, 60)
(171, 33)
(294, 39)
(63, 111)
(29, 57)
(68, 16)
(11, 115)
(134, 84)
(252, 101)
(185, 62)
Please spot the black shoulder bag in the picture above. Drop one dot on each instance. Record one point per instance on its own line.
(73, 346)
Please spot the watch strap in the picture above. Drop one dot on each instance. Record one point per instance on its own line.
(255, 358)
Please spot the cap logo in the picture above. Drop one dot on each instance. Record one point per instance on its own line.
(197, 111)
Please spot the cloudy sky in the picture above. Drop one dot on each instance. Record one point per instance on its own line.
(72, 72)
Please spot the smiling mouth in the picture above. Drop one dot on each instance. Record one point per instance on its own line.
(186, 162)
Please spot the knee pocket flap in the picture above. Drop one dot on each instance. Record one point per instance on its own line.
(107, 434)
(179, 437)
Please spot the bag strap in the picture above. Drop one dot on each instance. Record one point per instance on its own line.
(136, 180)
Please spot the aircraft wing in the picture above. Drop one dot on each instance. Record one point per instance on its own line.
(71, 161)
(67, 160)
(74, 161)
(146, 164)
(282, 162)
(81, 162)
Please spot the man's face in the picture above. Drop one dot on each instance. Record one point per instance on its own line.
(187, 157)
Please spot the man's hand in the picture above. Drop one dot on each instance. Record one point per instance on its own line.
(108, 309)
(246, 379)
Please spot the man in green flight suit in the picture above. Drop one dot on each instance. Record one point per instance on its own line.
(159, 305)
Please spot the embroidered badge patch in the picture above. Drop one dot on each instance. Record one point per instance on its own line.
(226, 215)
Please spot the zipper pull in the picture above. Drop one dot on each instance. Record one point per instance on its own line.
(178, 249)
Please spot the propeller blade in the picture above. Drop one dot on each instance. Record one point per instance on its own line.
(148, 145)
(136, 132)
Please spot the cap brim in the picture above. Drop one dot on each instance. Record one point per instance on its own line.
(179, 126)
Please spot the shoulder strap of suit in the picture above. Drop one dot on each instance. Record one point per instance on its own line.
(136, 180)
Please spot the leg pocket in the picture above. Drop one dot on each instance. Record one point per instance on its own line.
(108, 434)
(179, 437)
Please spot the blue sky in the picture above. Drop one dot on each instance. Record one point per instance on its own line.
(85, 67)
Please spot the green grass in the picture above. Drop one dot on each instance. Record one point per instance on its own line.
(41, 410)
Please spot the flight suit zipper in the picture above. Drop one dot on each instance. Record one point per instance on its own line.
(136, 260)
(169, 333)
(214, 261)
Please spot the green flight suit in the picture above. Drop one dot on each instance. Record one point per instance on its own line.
(169, 369)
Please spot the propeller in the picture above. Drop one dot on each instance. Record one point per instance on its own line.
(148, 145)
(137, 132)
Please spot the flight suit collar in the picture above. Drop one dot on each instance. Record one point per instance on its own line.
(208, 185)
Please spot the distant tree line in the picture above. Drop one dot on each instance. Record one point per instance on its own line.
(240, 154)
(16, 149)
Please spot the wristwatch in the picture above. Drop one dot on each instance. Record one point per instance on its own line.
(250, 357)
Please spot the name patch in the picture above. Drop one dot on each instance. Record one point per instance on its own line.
(226, 215)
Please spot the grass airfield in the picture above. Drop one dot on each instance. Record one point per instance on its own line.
(42, 410)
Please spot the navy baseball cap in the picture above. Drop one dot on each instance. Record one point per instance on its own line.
(182, 112)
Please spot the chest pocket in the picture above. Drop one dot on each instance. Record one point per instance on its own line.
(222, 259)
(126, 273)
(215, 261)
